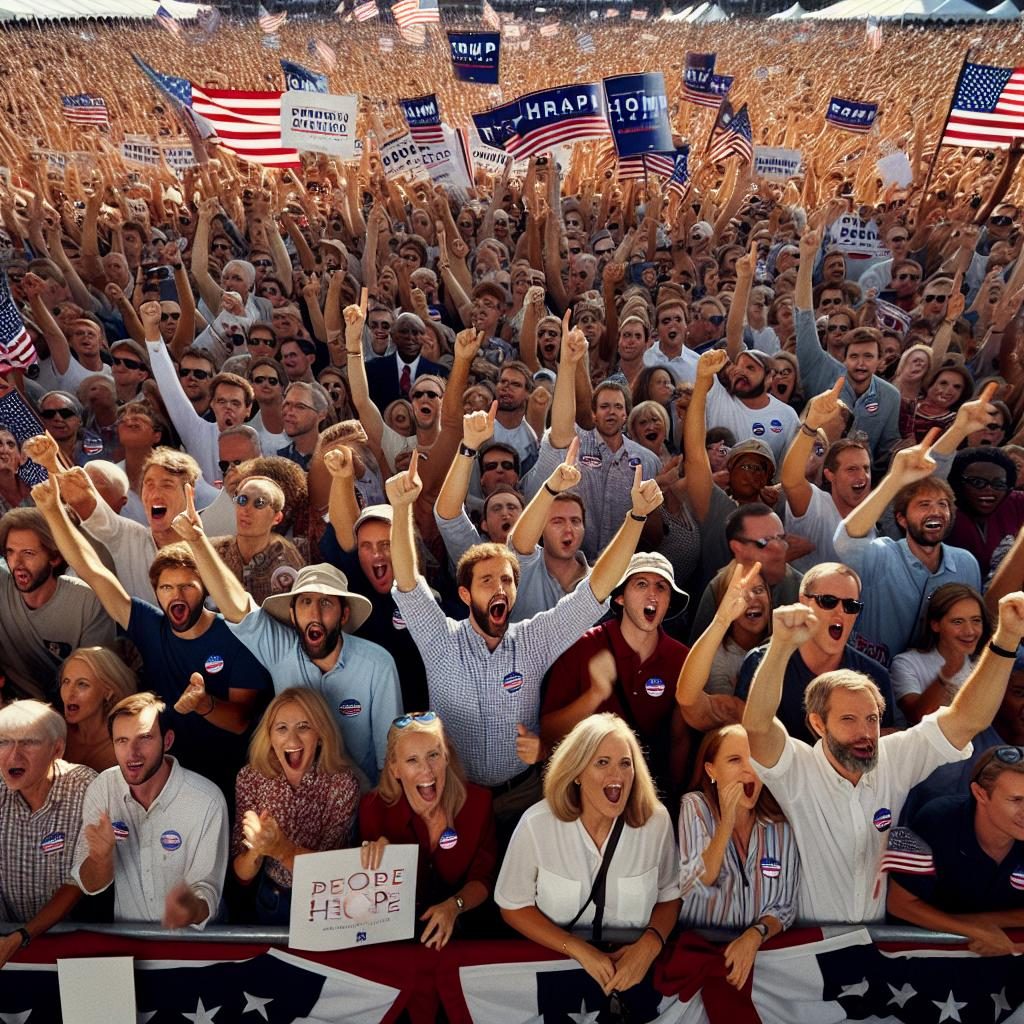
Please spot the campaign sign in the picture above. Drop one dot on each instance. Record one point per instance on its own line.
(855, 237)
(851, 114)
(318, 122)
(401, 157)
(475, 56)
(698, 71)
(338, 904)
(300, 79)
(140, 149)
(180, 158)
(638, 113)
(443, 161)
(421, 112)
(497, 125)
(776, 162)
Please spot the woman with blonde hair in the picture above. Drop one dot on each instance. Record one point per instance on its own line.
(297, 794)
(648, 425)
(600, 822)
(92, 681)
(423, 798)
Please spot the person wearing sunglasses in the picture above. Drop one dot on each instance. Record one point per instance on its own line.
(195, 371)
(976, 840)
(61, 414)
(988, 508)
(130, 366)
(833, 591)
(424, 799)
(842, 796)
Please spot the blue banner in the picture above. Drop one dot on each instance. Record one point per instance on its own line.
(475, 56)
(719, 85)
(699, 69)
(421, 112)
(301, 79)
(638, 113)
(497, 125)
(850, 114)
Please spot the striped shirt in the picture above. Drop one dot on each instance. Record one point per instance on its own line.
(765, 883)
(36, 849)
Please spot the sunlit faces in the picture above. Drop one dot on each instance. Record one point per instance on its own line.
(127, 369)
(861, 361)
(1004, 806)
(645, 601)
(497, 466)
(230, 405)
(660, 386)
(487, 312)
(139, 747)
(59, 416)
(420, 764)
(609, 412)
(299, 415)
(380, 322)
(30, 564)
(563, 532)
(319, 618)
(834, 624)
(294, 741)
(26, 760)
(632, 341)
(82, 694)
(373, 548)
(195, 374)
(501, 512)
(426, 399)
(257, 508)
(929, 517)
(181, 594)
(163, 497)
(851, 479)
(232, 279)
(408, 338)
(915, 369)
(946, 390)
(749, 378)
(491, 595)
(549, 340)
(747, 476)
(513, 390)
(86, 339)
(961, 628)
(850, 729)
(398, 416)
(136, 430)
(672, 329)
(11, 458)
(731, 766)
(606, 782)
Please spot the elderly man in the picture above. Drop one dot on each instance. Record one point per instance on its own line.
(391, 376)
(40, 819)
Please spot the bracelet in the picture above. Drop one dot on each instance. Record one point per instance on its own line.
(1001, 651)
(809, 431)
(651, 928)
(553, 493)
(213, 704)
(464, 449)
(636, 518)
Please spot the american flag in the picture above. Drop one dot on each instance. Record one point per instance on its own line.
(549, 30)
(637, 15)
(23, 423)
(660, 163)
(630, 168)
(270, 23)
(731, 135)
(179, 90)
(85, 109)
(988, 107)
(366, 11)
(414, 35)
(490, 16)
(873, 34)
(679, 181)
(416, 12)
(423, 116)
(166, 20)
(585, 41)
(697, 77)
(907, 853)
(555, 116)
(318, 48)
(16, 349)
(247, 123)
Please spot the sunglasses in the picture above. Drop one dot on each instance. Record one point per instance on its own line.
(753, 467)
(262, 263)
(716, 318)
(226, 464)
(424, 394)
(64, 414)
(506, 464)
(169, 316)
(223, 246)
(762, 542)
(1004, 755)
(831, 302)
(936, 298)
(1000, 221)
(260, 501)
(414, 716)
(837, 328)
(980, 483)
(128, 364)
(908, 277)
(829, 601)
(184, 372)
(380, 325)
(260, 379)
(237, 340)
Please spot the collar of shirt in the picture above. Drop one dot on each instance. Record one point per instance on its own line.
(400, 366)
(947, 563)
(624, 654)
(171, 788)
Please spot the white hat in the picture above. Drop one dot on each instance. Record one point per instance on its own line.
(320, 579)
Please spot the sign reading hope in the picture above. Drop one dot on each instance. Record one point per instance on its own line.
(337, 904)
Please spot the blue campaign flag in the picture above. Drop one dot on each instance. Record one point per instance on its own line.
(301, 79)
(475, 56)
(697, 74)
(851, 115)
(423, 116)
(552, 117)
(719, 85)
(638, 113)
(497, 125)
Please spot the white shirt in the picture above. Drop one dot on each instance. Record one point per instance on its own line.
(131, 546)
(775, 424)
(841, 830)
(912, 672)
(551, 865)
(818, 524)
(683, 366)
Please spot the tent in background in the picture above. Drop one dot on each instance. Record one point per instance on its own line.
(794, 13)
(43, 10)
(714, 13)
(942, 10)
(1006, 11)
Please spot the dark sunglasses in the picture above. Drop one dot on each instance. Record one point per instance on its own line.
(260, 501)
(1001, 221)
(262, 263)
(831, 302)
(169, 316)
(221, 245)
(935, 298)
(716, 318)
(980, 483)
(226, 464)
(424, 394)
(829, 601)
(414, 716)
(64, 414)
(380, 325)
(184, 372)
(506, 464)
(762, 542)
(908, 277)
(899, 238)
(838, 328)
(260, 379)
(128, 364)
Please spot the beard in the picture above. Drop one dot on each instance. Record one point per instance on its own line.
(318, 650)
(38, 580)
(843, 753)
(193, 615)
(485, 623)
(751, 391)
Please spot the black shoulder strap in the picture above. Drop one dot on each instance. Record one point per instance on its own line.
(597, 891)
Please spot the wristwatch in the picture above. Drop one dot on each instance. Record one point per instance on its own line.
(460, 903)
(25, 937)
(761, 929)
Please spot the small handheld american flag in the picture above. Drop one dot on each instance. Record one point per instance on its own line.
(907, 853)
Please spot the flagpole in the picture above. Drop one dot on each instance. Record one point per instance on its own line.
(942, 132)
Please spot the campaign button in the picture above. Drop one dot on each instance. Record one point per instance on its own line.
(882, 819)
(170, 840)
(350, 708)
(120, 831)
(770, 867)
(213, 664)
(655, 686)
(513, 682)
(53, 843)
(449, 837)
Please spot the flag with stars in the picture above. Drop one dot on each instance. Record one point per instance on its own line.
(85, 109)
(988, 107)
(907, 853)
(166, 20)
(177, 89)
(23, 423)
(731, 135)
(16, 349)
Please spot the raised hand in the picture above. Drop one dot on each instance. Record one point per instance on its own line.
(371, 853)
(734, 600)
(339, 462)
(193, 696)
(1011, 615)
(747, 264)
(710, 364)
(535, 299)
(529, 748)
(574, 344)
(823, 408)
(468, 342)
(793, 625)
(810, 242)
(603, 672)
(567, 475)
(404, 488)
(100, 838)
(114, 293)
(645, 494)
(187, 525)
(355, 319)
(914, 463)
(43, 449)
(149, 314)
(976, 414)
(478, 427)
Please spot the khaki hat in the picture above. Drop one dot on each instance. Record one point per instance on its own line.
(652, 561)
(385, 513)
(752, 447)
(320, 579)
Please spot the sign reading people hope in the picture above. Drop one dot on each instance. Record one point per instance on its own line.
(475, 56)
(776, 162)
(318, 122)
(638, 113)
(337, 904)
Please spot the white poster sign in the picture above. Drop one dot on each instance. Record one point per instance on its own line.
(96, 990)
(319, 122)
(337, 904)
(855, 237)
(400, 157)
(443, 161)
(895, 170)
(776, 162)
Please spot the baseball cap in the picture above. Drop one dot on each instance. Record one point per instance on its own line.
(751, 447)
(383, 513)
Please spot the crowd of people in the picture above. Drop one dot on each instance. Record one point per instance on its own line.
(647, 562)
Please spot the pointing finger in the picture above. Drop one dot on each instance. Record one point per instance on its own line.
(362, 303)
(413, 465)
(755, 571)
(573, 452)
(196, 679)
(190, 500)
(638, 476)
(931, 437)
(492, 412)
(988, 392)
(567, 316)
(837, 388)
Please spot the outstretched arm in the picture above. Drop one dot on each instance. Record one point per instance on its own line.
(343, 507)
(403, 489)
(695, 454)
(529, 527)
(820, 411)
(477, 428)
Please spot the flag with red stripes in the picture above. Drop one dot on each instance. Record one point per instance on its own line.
(366, 11)
(85, 109)
(16, 349)
(988, 107)
(247, 123)
(270, 23)
(416, 12)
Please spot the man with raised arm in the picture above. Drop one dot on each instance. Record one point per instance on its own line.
(484, 673)
(842, 795)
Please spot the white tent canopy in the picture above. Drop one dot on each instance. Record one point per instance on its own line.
(1006, 11)
(793, 13)
(712, 14)
(74, 9)
(950, 10)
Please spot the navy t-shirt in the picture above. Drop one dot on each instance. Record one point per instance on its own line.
(225, 664)
(798, 677)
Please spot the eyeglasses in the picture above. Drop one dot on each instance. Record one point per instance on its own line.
(261, 379)
(188, 371)
(908, 277)
(751, 467)
(262, 263)
(414, 716)
(221, 245)
(829, 601)
(837, 328)
(169, 316)
(260, 501)
(298, 405)
(1002, 221)
(936, 298)
(506, 464)
(785, 371)
(226, 464)
(416, 395)
(64, 414)
(128, 364)
(981, 483)
(762, 542)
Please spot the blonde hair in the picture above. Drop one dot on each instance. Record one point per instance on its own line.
(331, 757)
(109, 670)
(453, 797)
(574, 754)
(646, 408)
(818, 694)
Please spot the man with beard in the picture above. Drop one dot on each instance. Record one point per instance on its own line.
(833, 592)
(303, 638)
(44, 616)
(905, 573)
(147, 795)
(181, 643)
(515, 384)
(391, 376)
(484, 674)
(841, 796)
